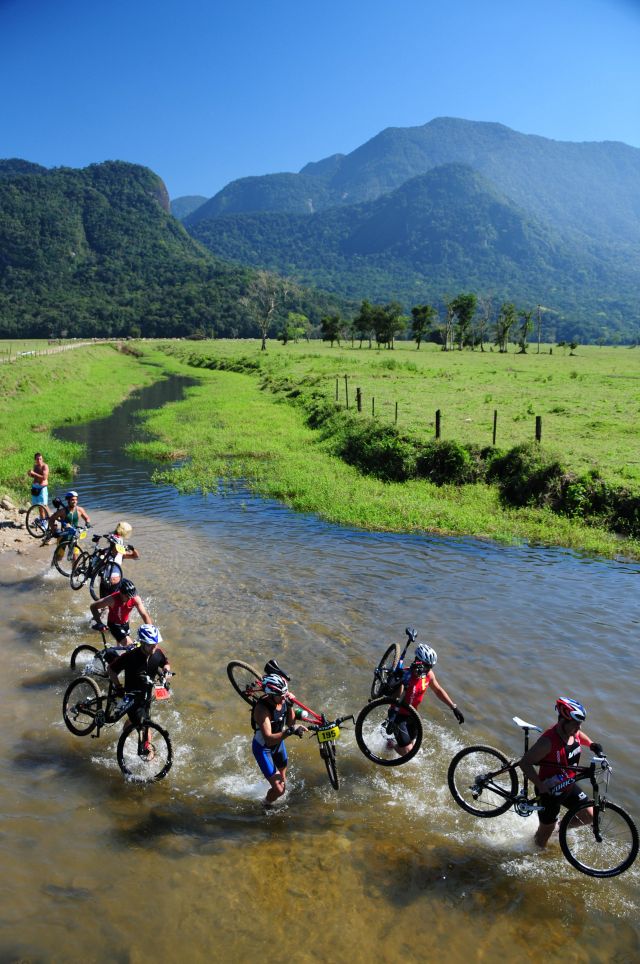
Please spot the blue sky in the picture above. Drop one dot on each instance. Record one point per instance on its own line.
(204, 92)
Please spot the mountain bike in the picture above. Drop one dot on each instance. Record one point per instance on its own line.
(247, 682)
(485, 783)
(375, 721)
(97, 565)
(144, 750)
(66, 550)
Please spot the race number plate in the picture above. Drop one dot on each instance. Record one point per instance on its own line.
(161, 693)
(83, 534)
(330, 733)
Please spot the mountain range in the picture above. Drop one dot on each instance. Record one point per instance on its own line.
(421, 213)
(96, 252)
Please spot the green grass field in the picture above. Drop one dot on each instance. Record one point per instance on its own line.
(589, 402)
(229, 427)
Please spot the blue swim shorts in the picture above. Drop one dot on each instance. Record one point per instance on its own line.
(41, 498)
(269, 759)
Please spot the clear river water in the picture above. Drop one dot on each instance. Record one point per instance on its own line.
(386, 869)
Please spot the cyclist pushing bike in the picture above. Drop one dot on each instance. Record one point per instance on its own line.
(140, 664)
(67, 515)
(273, 720)
(410, 687)
(556, 753)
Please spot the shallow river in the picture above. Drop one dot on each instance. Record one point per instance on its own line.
(388, 868)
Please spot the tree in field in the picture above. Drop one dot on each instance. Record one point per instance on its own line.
(449, 325)
(294, 326)
(363, 322)
(388, 322)
(463, 307)
(266, 293)
(507, 317)
(485, 310)
(330, 328)
(423, 317)
(525, 328)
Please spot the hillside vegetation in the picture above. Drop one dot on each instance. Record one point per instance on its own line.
(94, 252)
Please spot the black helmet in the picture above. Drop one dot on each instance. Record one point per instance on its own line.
(126, 587)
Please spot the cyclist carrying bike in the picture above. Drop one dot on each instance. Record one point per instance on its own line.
(410, 687)
(556, 753)
(119, 605)
(118, 550)
(67, 515)
(273, 720)
(144, 661)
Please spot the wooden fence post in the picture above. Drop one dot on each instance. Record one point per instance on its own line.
(359, 399)
(373, 407)
(396, 413)
(538, 428)
(495, 425)
(337, 380)
(346, 389)
(438, 423)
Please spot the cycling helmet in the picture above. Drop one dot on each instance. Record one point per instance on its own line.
(71, 494)
(275, 685)
(425, 654)
(148, 633)
(570, 709)
(123, 529)
(126, 586)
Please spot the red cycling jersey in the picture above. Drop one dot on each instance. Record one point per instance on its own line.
(414, 690)
(119, 611)
(561, 755)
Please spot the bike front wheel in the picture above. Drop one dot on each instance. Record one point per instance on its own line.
(36, 523)
(144, 753)
(64, 561)
(613, 853)
(328, 754)
(375, 734)
(80, 571)
(383, 670)
(83, 657)
(110, 573)
(80, 705)
(476, 783)
(246, 681)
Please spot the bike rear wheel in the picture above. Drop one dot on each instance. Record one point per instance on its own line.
(64, 562)
(80, 705)
(36, 525)
(376, 741)
(382, 671)
(80, 571)
(111, 573)
(613, 854)
(473, 785)
(328, 754)
(246, 681)
(144, 753)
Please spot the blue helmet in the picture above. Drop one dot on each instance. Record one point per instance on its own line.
(147, 633)
(72, 494)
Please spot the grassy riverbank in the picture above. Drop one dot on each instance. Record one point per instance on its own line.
(39, 394)
(253, 424)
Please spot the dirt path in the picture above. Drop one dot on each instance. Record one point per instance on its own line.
(13, 532)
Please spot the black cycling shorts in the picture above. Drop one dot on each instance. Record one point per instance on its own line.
(405, 730)
(119, 631)
(552, 804)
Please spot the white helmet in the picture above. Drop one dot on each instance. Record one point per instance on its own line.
(426, 655)
(274, 685)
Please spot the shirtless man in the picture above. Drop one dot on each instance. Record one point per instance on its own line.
(39, 476)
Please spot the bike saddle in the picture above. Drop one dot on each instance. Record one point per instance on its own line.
(526, 726)
(411, 633)
(272, 667)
